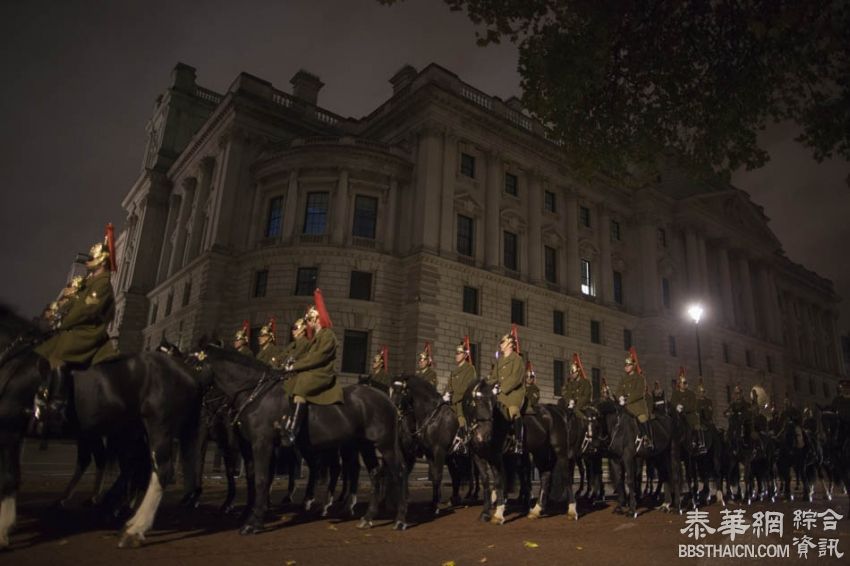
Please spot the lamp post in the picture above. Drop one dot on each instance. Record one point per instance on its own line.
(695, 311)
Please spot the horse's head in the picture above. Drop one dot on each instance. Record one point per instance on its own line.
(401, 395)
(479, 408)
(228, 369)
(167, 347)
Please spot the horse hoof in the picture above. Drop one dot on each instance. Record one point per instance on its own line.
(226, 509)
(533, 515)
(364, 524)
(248, 530)
(400, 526)
(495, 520)
(484, 518)
(618, 510)
(308, 505)
(829, 497)
(572, 515)
(130, 540)
(634, 515)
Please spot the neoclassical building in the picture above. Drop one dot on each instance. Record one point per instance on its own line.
(448, 212)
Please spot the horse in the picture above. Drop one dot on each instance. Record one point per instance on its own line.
(364, 423)
(556, 438)
(836, 447)
(593, 448)
(622, 431)
(427, 426)
(699, 464)
(150, 389)
(755, 453)
(795, 450)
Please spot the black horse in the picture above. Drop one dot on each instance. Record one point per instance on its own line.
(553, 443)
(108, 399)
(428, 427)
(837, 448)
(752, 450)
(594, 446)
(622, 431)
(796, 450)
(700, 464)
(365, 423)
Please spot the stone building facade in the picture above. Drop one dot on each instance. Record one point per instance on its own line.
(448, 212)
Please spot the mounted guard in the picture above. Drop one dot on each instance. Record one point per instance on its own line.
(532, 392)
(577, 391)
(380, 377)
(459, 381)
(508, 383)
(632, 396)
(685, 401)
(242, 339)
(425, 362)
(270, 353)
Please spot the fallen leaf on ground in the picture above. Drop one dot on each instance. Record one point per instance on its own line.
(483, 560)
(529, 544)
(449, 563)
(332, 528)
(290, 563)
(491, 546)
(62, 542)
(579, 548)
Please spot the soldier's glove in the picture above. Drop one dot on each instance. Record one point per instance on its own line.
(496, 389)
(572, 404)
(622, 399)
(447, 397)
(289, 364)
(680, 408)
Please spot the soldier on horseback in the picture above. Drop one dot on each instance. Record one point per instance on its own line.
(632, 396)
(532, 392)
(315, 380)
(270, 353)
(706, 406)
(460, 379)
(841, 403)
(577, 391)
(425, 360)
(743, 410)
(685, 402)
(242, 338)
(81, 339)
(380, 377)
(295, 349)
(659, 399)
(508, 383)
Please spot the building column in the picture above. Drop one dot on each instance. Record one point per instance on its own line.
(703, 267)
(179, 237)
(747, 294)
(768, 305)
(493, 212)
(606, 275)
(692, 256)
(573, 261)
(391, 219)
(649, 268)
(726, 297)
(774, 303)
(228, 190)
(447, 201)
(837, 352)
(199, 209)
(167, 241)
(535, 217)
(290, 207)
(427, 197)
(341, 213)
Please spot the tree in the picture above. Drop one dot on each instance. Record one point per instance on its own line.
(622, 82)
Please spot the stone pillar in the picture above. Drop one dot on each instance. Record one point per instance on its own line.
(232, 168)
(179, 237)
(492, 211)
(606, 275)
(747, 294)
(535, 217)
(341, 213)
(774, 304)
(573, 261)
(427, 200)
(168, 244)
(768, 304)
(391, 218)
(649, 268)
(703, 267)
(693, 258)
(726, 297)
(202, 195)
(447, 200)
(290, 207)
(837, 354)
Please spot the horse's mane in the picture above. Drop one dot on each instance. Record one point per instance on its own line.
(419, 386)
(226, 354)
(13, 323)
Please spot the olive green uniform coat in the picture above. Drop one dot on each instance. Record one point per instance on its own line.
(706, 411)
(509, 373)
(245, 351)
(460, 379)
(633, 387)
(271, 355)
(380, 380)
(688, 400)
(82, 337)
(580, 391)
(532, 398)
(294, 350)
(841, 405)
(315, 379)
(429, 375)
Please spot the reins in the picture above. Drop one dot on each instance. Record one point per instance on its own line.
(262, 386)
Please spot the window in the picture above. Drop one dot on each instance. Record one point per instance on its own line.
(615, 231)
(470, 300)
(354, 351)
(305, 283)
(365, 217)
(587, 279)
(769, 362)
(548, 201)
(627, 339)
(662, 237)
(465, 235)
(152, 317)
(261, 280)
(596, 381)
(274, 218)
(665, 292)
(558, 373)
(725, 353)
(360, 286)
(517, 312)
(584, 216)
(467, 165)
(749, 358)
(187, 293)
(316, 214)
(618, 287)
(169, 301)
(595, 336)
(558, 322)
(511, 184)
(551, 264)
(511, 251)
(671, 345)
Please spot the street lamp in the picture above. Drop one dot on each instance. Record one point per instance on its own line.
(695, 312)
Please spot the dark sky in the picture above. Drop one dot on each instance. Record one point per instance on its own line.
(80, 78)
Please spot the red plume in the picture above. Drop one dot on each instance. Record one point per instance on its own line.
(577, 361)
(515, 334)
(529, 367)
(634, 356)
(110, 246)
(272, 325)
(428, 349)
(681, 371)
(324, 317)
(246, 328)
(385, 355)
(467, 348)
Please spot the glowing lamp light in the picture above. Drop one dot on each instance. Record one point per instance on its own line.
(695, 312)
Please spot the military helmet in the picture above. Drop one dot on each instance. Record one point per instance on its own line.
(381, 358)
(701, 387)
(103, 252)
(425, 355)
(512, 337)
(244, 333)
(682, 380)
(318, 311)
(298, 325)
(268, 329)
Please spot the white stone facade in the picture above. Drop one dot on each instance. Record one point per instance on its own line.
(223, 193)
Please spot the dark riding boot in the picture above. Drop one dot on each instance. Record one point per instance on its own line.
(518, 435)
(646, 435)
(51, 401)
(293, 424)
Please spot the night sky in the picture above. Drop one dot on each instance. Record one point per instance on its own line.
(80, 79)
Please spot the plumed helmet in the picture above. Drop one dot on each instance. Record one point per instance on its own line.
(318, 311)
(512, 337)
(682, 380)
(268, 329)
(425, 355)
(103, 252)
(243, 333)
(298, 326)
(577, 367)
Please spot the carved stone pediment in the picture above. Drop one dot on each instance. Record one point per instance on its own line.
(466, 203)
(587, 248)
(551, 236)
(512, 218)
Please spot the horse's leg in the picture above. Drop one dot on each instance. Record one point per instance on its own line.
(161, 444)
(250, 485)
(10, 479)
(84, 457)
(371, 461)
(315, 468)
(436, 466)
(489, 496)
(261, 449)
(335, 469)
(351, 467)
(499, 492)
(396, 474)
